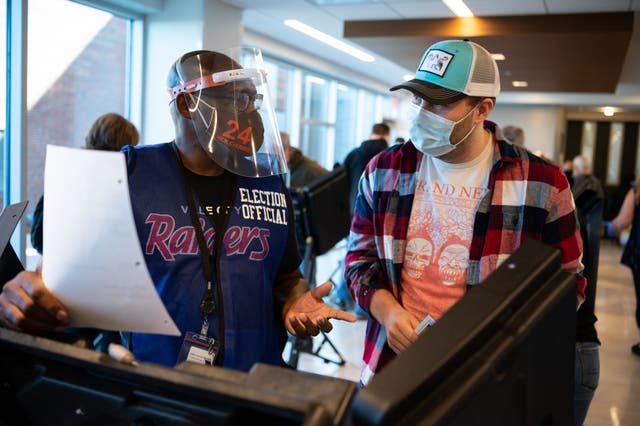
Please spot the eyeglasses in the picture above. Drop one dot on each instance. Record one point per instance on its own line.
(240, 100)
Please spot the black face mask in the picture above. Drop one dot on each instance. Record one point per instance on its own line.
(242, 133)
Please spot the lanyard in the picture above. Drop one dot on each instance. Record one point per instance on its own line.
(207, 258)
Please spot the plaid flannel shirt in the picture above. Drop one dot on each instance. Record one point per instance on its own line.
(528, 198)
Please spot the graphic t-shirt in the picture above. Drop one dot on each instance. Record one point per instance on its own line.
(439, 235)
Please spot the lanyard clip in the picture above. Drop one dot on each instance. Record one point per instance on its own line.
(205, 327)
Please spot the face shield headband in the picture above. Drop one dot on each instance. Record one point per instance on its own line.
(231, 113)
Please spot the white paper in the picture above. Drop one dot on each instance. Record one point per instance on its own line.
(92, 259)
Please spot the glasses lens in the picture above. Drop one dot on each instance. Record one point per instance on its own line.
(242, 101)
(257, 101)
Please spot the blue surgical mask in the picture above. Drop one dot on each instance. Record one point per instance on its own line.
(431, 133)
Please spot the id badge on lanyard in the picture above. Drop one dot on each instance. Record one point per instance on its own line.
(198, 347)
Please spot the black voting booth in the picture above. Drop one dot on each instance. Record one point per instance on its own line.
(51, 383)
(322, 219)
(502, 356)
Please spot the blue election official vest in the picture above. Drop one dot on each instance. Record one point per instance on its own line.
(252, 250)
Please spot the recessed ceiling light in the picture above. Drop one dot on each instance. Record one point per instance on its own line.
(458, 7)
(498, 57)
(519, 83)
(609, 111)
(327, 39)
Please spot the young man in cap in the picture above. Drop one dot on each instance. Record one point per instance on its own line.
(437, 215)
(215, 225)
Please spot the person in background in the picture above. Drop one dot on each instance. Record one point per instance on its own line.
(415, 249)
(215, 224)
(617, 196)
(109, 132)
(302, 169)
(629, 215)
(357, 159)
(399, 140)
(354, 165)
(589, 200)
(514, 134)
(583, 179)
(567, 169)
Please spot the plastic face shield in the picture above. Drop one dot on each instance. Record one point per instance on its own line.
(231, 111)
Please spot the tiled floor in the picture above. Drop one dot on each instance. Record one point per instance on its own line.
(617, 399)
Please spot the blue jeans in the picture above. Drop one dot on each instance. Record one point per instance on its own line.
(587, 374)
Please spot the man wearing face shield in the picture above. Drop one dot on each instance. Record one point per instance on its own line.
(215, 223)
(457, 185)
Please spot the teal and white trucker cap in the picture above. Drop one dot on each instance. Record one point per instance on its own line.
(453, 69)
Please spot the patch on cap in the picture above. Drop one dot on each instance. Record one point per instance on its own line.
(436, 62)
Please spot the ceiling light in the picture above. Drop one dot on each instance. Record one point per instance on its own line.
(498, 57)
(519, 83)
(327, 39)
(407, 77)
(608, 111)
(459, 8)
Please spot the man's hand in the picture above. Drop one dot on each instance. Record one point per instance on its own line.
(400, 326)
(26, 304)
(308, 315)
(397, 321)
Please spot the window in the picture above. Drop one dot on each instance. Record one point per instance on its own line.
(588, 141)
(326, 118)
(346, 117)
(280, 88)
(316, 127)
(78, 69)
(615, 152)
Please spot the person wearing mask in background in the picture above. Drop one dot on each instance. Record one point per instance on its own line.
(302, 169)
(230, 276)
(629, 215)
(514, 134)
(414, 250)
(109, 132)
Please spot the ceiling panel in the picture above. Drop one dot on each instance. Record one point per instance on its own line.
(587, 6)
(512, 7)
(421, 9)
(569, 53)
(372, 11)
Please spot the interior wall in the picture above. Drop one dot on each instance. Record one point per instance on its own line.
(541, 126)
(168, 34)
